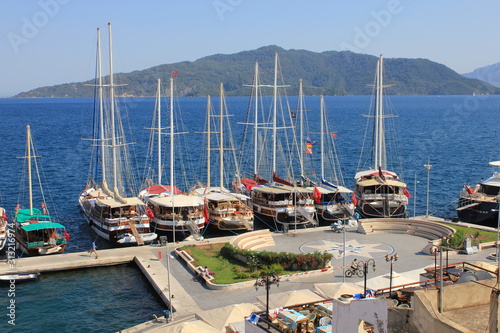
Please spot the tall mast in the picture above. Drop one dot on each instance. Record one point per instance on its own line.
(221, 141)
(172, 153)
(380, 150)
(209, 141)
(112, 104)
(101, 107)
(30, 181)
(256, 118)
(275, 102)
(301, 128)
(322, 131)
(158, 110)
(172, 138)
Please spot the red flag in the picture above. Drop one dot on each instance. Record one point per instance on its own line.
(334, 135)
(406, 192)
(317, 195)
(205, 211)
(149, 213)
(354, 199)
(175, 74)
(469, 189)
(67, 236)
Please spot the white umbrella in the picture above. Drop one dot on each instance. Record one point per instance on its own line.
(196, 326)
(335, 290)
(290, 298)
(220, 318)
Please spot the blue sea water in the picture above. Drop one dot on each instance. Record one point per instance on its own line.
(458, 134)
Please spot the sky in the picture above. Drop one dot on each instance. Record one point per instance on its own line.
(48, 42)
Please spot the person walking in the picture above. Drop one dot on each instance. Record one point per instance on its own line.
(93, 250)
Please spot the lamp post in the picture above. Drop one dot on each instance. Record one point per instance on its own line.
(267, 279)
(428, 166)
(343, 249)
(415, 197)
(498, 228)
(365, 270)
(391, 259)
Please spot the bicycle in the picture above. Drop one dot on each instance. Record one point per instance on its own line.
(352, 271)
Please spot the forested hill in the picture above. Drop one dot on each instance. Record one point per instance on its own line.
(327, 73)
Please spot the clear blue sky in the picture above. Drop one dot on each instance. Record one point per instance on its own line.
(47, 42)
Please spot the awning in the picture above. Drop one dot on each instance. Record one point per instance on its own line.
(379, 182)
(41, 225)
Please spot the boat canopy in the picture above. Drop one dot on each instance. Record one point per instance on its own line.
(282, 189)
(325, 189)
(42, 225)
(372, 172)
(24, 215)
(157, 189)
(380, 182)
(180, 200)
(113, 203)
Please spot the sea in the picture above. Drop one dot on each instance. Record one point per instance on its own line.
(456, 135)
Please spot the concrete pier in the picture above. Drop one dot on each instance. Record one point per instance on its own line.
(191, 297)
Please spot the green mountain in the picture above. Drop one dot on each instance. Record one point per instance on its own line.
(327, 73)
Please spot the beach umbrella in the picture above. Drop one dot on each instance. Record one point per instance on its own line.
(290, 298)
(335, 290)
(196, 326)
(220, 318)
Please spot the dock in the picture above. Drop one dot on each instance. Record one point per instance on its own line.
(193, 297)
(145, 257)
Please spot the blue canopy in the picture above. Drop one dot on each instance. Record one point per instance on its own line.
(42, 225)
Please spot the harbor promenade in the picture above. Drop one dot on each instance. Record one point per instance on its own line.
(190, 296)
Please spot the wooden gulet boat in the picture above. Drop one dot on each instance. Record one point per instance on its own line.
(3, 228)
(379, 192)
(281, 202)
(34, 229)
(111, 214)
(171, 210)
(332, 199)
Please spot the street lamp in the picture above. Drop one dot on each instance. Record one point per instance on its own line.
(498, 228)
(365, 270)
(267, 279)
(391, 259)
(428, 167)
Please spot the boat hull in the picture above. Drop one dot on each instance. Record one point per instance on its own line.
(478, 212)
(116, 229)
(376, 209)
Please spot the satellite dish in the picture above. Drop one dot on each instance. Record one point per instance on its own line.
(483, 275)
(467, 277)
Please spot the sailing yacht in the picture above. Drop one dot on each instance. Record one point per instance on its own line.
(281, 202)
(112, 214)
(379, 192)
(251, 154)
(35, 231)
(331, 197)
(170, 209)
(479, 204)
(3, 228)
(227, 210)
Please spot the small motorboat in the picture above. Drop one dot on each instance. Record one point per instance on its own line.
(23, 277)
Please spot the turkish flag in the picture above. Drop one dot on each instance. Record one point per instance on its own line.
(205, 211)
(317, 195)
